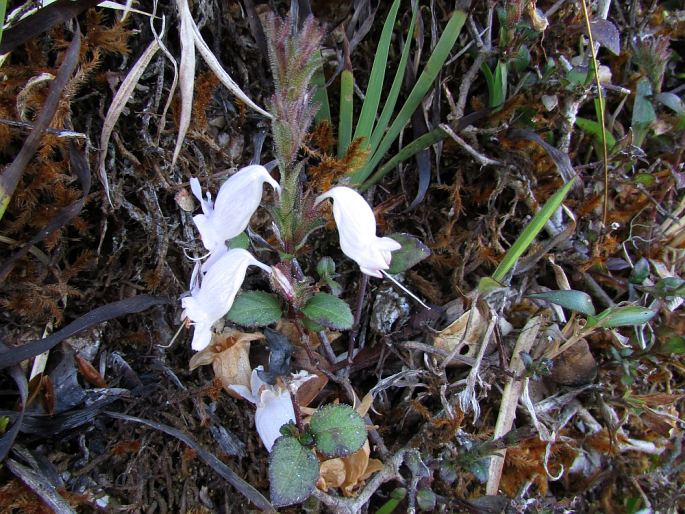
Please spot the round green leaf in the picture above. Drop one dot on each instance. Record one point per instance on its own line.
(255, 309)
(569, 299)
(338, 430)
(293, 472)
(329, 311)
(412, 252)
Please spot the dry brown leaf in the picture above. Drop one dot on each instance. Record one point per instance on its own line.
(229, 355)
(462, 332)
(89, 372)
(350, 472)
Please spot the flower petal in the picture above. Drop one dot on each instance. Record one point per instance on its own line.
(274, 410)
(357, 229)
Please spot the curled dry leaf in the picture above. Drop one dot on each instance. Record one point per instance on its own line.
(350, 472)
(464, 333)
(229, 355)
(89, 372)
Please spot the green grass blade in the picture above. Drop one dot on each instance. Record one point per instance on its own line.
(420, 143)
(346, 109)
(3, 10)
(321, 96)
(419, 91)
(367, 117)
(393, 95)
(530, 232)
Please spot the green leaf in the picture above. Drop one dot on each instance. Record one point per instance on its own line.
(594, 128)
(390, 101)
(325, 267)
(329, 311)
(531, 231)
(674, 344)
(423, 84)
(640, 272)
(521, 59)
(372, 98)
(396, 496)
(425, 500)
(672, 101)
(312, 326)
(643, 111)
(620, 317)
(242, 240)
(497, 84)
(420, 143)
(346, 110)
(255, 309)
(321, 96)
(412, 252)
(577, 301)
(293, 472)
(338, 430)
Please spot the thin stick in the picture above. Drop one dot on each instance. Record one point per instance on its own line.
(405, 290)
(600, 99)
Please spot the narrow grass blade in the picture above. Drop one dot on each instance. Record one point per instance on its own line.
(346, 104)
(321, 97)
(530, 232)
(391, 100)
(421, 143)
(421, 88)
(367, 117)
(3, 10)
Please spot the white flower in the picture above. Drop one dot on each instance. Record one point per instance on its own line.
(274, 405)
(213, 298)
(236, 201)
(357, 229)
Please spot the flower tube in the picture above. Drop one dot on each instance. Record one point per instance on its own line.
(274, 404)
(213, 298)
(357, 230)
(237, 200)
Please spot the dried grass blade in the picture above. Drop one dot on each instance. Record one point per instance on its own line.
(174, 82)
(224, 77)
(187, 74)
(122, 96)
(510, 397)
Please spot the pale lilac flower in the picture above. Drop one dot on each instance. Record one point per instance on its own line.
(357, 229)
(237, 200)
(274, 404)
(214, 296)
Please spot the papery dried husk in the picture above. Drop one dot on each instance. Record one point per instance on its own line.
(350, 472)
(229, 355)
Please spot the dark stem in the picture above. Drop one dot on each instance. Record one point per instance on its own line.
(357, 318)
